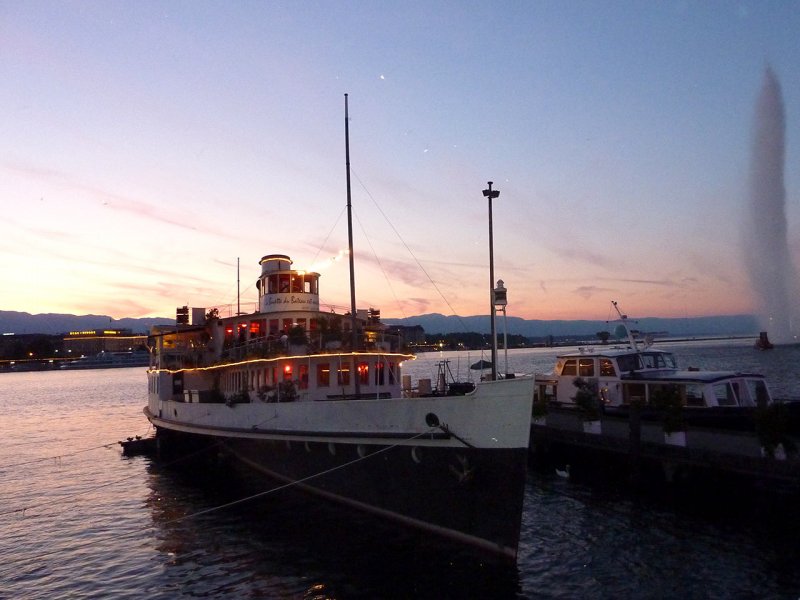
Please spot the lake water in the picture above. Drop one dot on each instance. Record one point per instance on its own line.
(79, 520)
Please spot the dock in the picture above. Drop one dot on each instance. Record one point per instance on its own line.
(638, 449)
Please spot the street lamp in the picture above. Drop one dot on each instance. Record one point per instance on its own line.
(491, 194)
(500, 301)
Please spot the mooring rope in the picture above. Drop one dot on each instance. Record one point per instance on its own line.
(131, 534)
(58, 457)
(296, 482)
(49, 502)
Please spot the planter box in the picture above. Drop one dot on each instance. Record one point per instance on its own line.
(780, 452)
(676, 438)
(594, 427)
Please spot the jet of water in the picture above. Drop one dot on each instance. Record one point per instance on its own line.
(769, 265)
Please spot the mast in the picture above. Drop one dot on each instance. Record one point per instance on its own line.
(353, 319)
(628, 331)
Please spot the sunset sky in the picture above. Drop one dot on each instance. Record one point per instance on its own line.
(148, 145)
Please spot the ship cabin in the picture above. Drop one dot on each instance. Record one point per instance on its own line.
(287, 350)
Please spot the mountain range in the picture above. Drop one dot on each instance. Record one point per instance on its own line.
(55, 324)
(534, 328)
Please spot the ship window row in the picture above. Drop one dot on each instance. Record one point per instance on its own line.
(585, 367)
(284, 283)
(264, 327)
(382, 373)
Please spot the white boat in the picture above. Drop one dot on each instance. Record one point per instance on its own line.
(639, 374)
(318, 400)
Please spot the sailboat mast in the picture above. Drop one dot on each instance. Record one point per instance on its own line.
(353, 320)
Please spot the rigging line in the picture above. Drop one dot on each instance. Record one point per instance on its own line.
(103, 485)
(327, 237)
(380, 264)
(402, 241)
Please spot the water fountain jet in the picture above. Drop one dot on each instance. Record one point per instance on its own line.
(772, 275)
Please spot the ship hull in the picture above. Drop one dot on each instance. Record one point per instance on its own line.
(456, 469)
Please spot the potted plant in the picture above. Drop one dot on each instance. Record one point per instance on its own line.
(588, 402)
(539, 412)
(667, 401)
(771, 422)
(298, 342)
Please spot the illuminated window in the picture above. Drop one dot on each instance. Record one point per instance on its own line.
(586, 367)
(363, 373)
(607, 368)
(323, 374)
(287, 372)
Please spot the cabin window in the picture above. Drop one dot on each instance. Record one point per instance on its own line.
(287, 325)
(363, 373)
(724, 394)
(273, 326)
(255, 328)
(380, 373)
(629, 362)
(323, 375)
(607, 368)
(284, 283)
(303, 376)
(694, 395)
(297, 284)
(586, 367)
(570, 367)
(758, 392)
(287, 372)
(392, 367)
(301, 323)
(310, 284)
(343, 374)
(272, 287)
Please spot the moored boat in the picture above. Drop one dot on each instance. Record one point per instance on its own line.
(637, 374)
(318, 400)
(110, 360)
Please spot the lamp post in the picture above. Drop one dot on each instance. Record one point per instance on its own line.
(491, 194)
(500, 301)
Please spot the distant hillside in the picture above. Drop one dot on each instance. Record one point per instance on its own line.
(696, 326)
(55, 324)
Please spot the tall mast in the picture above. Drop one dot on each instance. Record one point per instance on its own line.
(353, 319)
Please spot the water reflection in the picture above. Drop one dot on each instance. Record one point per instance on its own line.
(291, 545)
